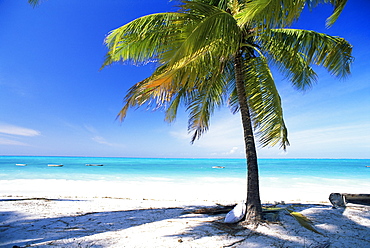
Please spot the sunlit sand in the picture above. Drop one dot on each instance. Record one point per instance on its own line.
(62, 213)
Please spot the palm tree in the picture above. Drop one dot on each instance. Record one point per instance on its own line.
(215, 52)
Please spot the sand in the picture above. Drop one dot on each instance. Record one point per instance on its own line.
(33, 214)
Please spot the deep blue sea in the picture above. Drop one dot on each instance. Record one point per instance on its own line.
(74, 168)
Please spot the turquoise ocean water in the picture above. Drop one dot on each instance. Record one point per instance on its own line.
(74, 168)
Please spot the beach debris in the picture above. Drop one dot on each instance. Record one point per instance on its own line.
(337, 200)
(363, 199)
(271, 214)
(219, 209)
(341, 199)
(237, 214)
(303, 221)
(29, 199)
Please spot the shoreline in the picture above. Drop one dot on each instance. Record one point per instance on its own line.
(222, 190)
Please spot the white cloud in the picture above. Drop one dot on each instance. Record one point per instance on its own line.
(95, 135)
(17, 130)
(350, 134)
(180, 134)
(4, 141)
(101, 140)
(91, 129)
(339, 140)
(224, 137)
(233, 150)
(223, 133)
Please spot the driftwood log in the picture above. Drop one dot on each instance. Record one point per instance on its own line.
(341, 199)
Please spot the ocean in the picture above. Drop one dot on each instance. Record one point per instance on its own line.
(74, 168)
(278, 177)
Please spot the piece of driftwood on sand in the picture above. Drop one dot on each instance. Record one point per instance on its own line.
(341, 199)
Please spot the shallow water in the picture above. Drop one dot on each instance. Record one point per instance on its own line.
(74, 168)
(288, 179)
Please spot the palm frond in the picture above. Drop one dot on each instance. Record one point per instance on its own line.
(211, 30)
(144, 39)
(295, 50)
(293, 64)
(153, 91)
(265, 104)
(205, 99)
(221, 4)
(175, 103)
(303, 221)
(338, 8)
(34, 3)
(282, 13)
(269, 13)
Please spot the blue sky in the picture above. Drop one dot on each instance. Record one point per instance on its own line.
(55, 101)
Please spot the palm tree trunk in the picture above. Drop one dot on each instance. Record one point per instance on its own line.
(254, 208)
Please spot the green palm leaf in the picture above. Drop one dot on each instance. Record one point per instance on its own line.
(270, 13)
(265, 104)
(144, 39)
(208, 96)
(294, 50)
(282, 13)
(338, 8)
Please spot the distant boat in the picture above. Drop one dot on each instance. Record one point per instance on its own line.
(368, 166)
(218, 167)
(55, 165)
(94, 164)
(20, 164)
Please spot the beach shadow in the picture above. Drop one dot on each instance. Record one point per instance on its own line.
(331, 229)
(19, 230)
(233, 235)
(346, 225)
(22, 231)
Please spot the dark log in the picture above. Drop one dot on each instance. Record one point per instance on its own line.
(341, 199)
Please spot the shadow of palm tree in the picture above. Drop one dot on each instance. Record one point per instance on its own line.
(67, 230)
(27, 232)
(346, 227)
(195, 228)
(334, 230)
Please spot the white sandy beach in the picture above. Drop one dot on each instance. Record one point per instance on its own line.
(158, 214)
